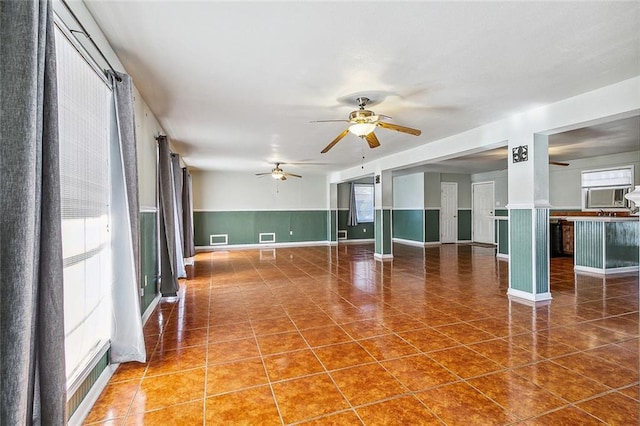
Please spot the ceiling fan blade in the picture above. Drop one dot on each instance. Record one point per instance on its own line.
(263, 174)
(403, 129)
(327, 121)
(291, 174)
(557, 163)
(335, 141)
(372, 140)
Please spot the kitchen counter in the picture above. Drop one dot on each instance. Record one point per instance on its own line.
(606, 244)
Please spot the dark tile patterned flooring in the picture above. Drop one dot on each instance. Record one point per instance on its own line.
(330, 336)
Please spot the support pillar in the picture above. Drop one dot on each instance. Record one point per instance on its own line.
(383, 187)
(528, 173)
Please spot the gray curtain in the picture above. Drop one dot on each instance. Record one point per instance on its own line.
(169, 276)
(352, 218)
(31, 305)
(176, 171)
(187, 212)
(127, 339)
(176, 175)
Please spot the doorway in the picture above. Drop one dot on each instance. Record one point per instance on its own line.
(448, 212)
(482, 196)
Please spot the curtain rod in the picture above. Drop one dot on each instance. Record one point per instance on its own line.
(87, 35)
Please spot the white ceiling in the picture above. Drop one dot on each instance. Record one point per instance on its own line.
(236, 84)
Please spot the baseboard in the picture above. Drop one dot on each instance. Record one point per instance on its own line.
(502, 256)
(529, 298)
(609, 271)
(89, 398)
(261, 246)
(150, 308)
(383, 257)
(359, 241)
(408, 242)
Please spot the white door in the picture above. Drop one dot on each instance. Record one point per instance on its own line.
(482, 210)
(448, 212)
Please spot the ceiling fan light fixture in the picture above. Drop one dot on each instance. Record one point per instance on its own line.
(277, 174)
(362, 129)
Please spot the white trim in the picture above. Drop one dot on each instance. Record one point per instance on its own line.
(608, 271)
(344, 237)
(264, 234)
(148, 209)
(530, 297)
(408, 209)
(522, 206)
(464, 208)
(358, 241)
(74, 382)
(502, 256)
(408, 242)
(530, 206)
(431, 208)
(212, 236)
(382, 257)
(262, 210)
(150, 309)
(92, 396)
(432, 243)
(333, 243)
(261, 246)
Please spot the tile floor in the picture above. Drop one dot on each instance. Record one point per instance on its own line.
(329, 336)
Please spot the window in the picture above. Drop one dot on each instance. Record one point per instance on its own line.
(84, 102)
(364, 203)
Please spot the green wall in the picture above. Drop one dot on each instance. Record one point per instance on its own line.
(621, 244)
(431, 225)
(464, 225)
(502, 231)
(408, 224)
(244, 227)
(148, 258)
(520, 242)
(360, 232)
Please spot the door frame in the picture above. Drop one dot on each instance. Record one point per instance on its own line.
(473, 210)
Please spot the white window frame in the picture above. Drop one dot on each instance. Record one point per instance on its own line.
(358, 204)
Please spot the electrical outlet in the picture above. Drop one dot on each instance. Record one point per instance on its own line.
(364, 230)
(290, 232)
(145, 280)
(141, 291)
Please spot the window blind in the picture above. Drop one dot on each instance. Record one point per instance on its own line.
(84, 100)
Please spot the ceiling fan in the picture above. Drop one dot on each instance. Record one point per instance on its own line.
(278, 173)
(363, 123)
